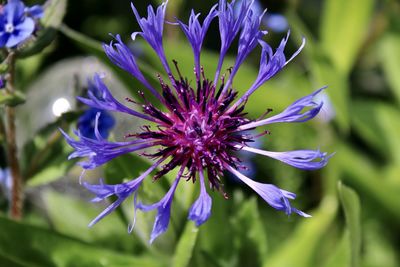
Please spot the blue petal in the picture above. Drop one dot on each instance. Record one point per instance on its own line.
(201, 208)
(21, 32)
(100, 97)
(249, 38)
(35, 11)
(99, 151)
(122, 56)
(121, 191)
(275, 197)
(270, 64)
(163, 210)
(293, 113)
(302, 159)
(152, 30)
(229, 26)
(14, 11)
(195, 33)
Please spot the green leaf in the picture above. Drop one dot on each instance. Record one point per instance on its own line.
(378, 123)
(185, 247)
(44, 39)
(54, 13)
(343, 29)
(300, 248)
(250, 244)
(340, 255)
(49, 174)
(351, 205)
(389, 52)
(338, 88)
(110, 232)
(26, 245)
(361, 173)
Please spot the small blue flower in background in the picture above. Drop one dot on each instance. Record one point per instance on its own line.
(276, 22)
(273, 21)
(17, 22)
(202, 124)
(6, 182)
(87, 123)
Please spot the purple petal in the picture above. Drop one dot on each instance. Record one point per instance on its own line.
(122, 56)
(195, 33)
(121, 191)
(99, 151)
(102, 98)
(163, 209)
(293, 113)
(275, 197)
(270, 64)
(229, 26)
(201, 208)
(152, 31)
(249, 38)
(302, 159)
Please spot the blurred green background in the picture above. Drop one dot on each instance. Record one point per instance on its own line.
(353, 46)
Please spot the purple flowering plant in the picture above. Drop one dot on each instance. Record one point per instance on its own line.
(202, 124)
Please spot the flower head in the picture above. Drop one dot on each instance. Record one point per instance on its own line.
(17, 22)
(201, 125)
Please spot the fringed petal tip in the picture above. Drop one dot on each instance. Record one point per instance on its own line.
(274, 196)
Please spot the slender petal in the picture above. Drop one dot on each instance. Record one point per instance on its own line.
(121, 191)
(152, 31)
(293, 113)
(275, 197)
(122, 56)
(270, 64)
(201, 208)
(163, 209)
(99, 151)
(302, 159)
(195, 33)
(229, 26)
(102, 98)
(249, 38)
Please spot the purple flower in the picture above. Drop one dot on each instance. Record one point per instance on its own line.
(17, 23)
(202, 125)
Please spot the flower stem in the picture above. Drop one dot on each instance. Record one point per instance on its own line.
(16, 188)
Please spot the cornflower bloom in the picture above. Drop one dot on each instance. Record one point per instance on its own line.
(202, 125)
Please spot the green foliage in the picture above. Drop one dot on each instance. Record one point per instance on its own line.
(352, 210)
